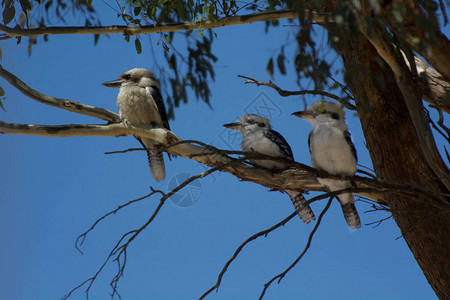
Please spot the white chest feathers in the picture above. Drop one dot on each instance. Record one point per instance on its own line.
(136, 104)
(330, 150)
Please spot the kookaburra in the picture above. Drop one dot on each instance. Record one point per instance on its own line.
(258, 136)
(140, 103)
(332, 151)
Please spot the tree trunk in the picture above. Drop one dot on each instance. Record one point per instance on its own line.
(394, 148)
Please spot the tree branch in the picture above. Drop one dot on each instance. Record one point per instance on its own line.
(298, 177)
(284, 93)
(154, 28)
(82, 237)
(69, 105)
(119, 251)
(308, 244)
(264, 233)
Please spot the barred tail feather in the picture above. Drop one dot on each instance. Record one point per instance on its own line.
(351, 215)
(304, 211)
(157, 167)
(155, 158)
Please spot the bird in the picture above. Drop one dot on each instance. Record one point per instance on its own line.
(333, 151)
(258, 136)
(140, 103)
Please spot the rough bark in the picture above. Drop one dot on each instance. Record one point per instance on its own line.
(394, 148)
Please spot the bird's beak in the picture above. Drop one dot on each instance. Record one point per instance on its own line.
(234, 126)
(113, 83)
(303, 114)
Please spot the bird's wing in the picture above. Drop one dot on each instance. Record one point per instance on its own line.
(278, 139)
(156, 94)
(348, 138)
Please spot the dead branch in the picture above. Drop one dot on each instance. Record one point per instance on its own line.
(264, 233)
(378, 223)
(69, 105)
(82, 237)
(284, 93)
(118, 253)
(308, 244)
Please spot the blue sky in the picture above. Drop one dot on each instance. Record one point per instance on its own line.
(53, 189)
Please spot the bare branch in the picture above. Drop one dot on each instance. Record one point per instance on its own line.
(82, 237)
(308, 244)
(154, 28)
(264, 233)
(378, 223)
(285, 93)
(69, 105)
(119, 252)
(446, 134)
(299, 177)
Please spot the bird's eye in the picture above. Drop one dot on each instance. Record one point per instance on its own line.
(251, 122)
(128, 76)
(334, 116)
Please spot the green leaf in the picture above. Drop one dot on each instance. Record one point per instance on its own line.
(280, 62)
(137, 10)
(269, 67)
(137, 45)
(26, 5)
(89, 2)
(168, 39)
(96, 38)
(180, 11)
(8, 14)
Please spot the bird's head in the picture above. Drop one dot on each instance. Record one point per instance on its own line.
(137, 76)
(250, 123)
(322, 111)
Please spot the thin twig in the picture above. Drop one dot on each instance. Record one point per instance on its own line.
(308, 244)
(119, 251)
(378, 223)
(264, 233)
(285, 93)
(81, 238)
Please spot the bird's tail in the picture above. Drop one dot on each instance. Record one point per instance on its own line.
(155, 159)
(351, 215)
(346, 199)
(157, 168)
(304, 211)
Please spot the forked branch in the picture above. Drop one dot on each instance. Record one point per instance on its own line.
(308, 244)
(284, 93)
